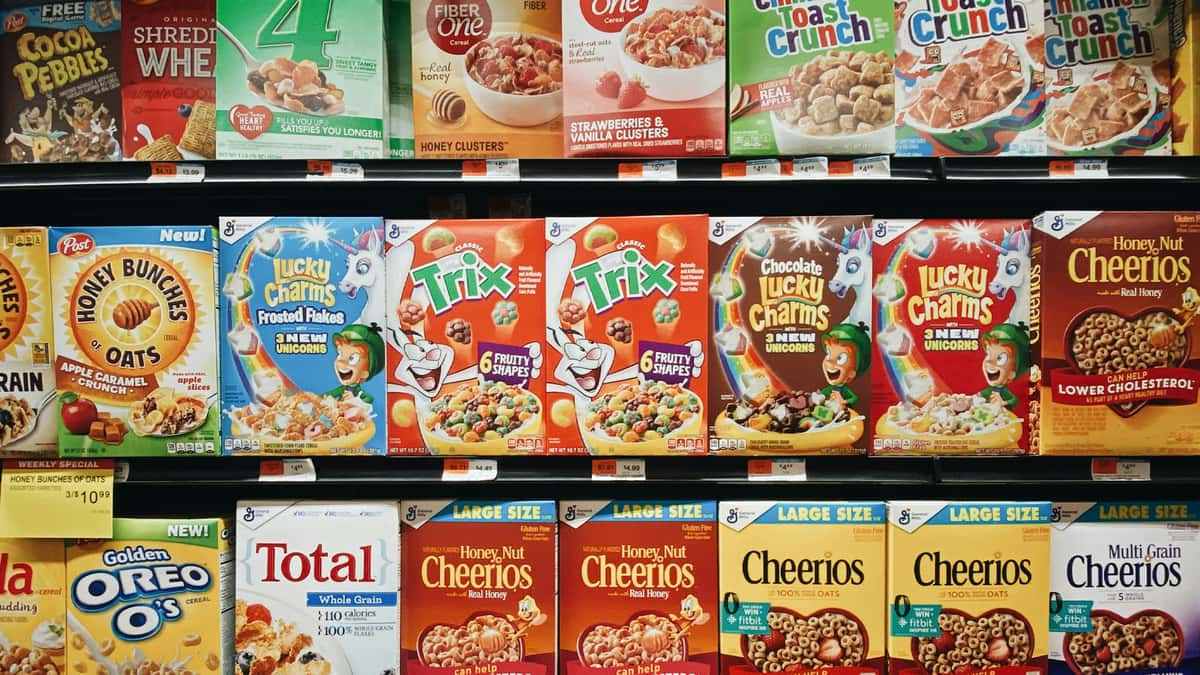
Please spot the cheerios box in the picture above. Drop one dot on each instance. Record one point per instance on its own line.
(626, 317)
(27, 378)
(134, 331)
(802, 587)
(1122, 588)
(967, 587)
(465, 336)
(157, 597)
(33, 604)
(480, 588)
(302, 347)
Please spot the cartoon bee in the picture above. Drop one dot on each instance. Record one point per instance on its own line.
(690, 614)
(528, 615)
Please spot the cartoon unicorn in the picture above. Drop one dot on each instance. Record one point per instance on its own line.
(854, 271)
(1012, 273)
(364, 271)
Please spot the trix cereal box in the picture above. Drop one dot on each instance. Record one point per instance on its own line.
(27, 379)
(967, 587)
(625, 313)
(302, 353)
(1122, 592)
(812, 78)
(802, 587)
(637, 587)
(487, 78)
(465, 336)
(157, 597)
(400, 98)
(317, 586)
(645, 79)
(952, 363)
(480, 587)
(167, 80)
(33, 605)
(791, 334)
(970, 77)
(62, 94)
(1115, 337)
(137, 371)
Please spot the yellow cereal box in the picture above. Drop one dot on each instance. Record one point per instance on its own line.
(32, 583)
(1185, 75)
(157, 598)
(26, 353)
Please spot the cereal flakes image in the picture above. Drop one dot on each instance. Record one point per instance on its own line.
(27, 424)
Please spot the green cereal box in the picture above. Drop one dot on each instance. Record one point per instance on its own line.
(400, 92)
(811, 77)
(299, 79)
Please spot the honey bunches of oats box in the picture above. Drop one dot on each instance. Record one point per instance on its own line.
(26, 345)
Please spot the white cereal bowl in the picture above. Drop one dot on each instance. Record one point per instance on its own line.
(674, 84)
(1152, 95)
(514, 110)
(791, 140)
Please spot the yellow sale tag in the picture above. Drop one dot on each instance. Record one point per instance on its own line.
(52, 499)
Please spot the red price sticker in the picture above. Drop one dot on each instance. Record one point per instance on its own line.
(460, 470)
(777, 469)
(618, 469)
(173, 172)
(1111, 468)
(491, 169)
(323, 169)
(299, 470)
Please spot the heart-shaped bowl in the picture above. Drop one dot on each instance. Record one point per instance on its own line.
(862, 628)
(421, 637)
(1113, 616)
(683, 646)
(916, 642)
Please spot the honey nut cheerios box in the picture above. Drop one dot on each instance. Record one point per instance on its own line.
(302, 348)
(967, 587)
(951, 369)
(626, 317)
(33, 604)
(465, 337)
(480, 587)
(137, 369)
(27, 378)
(1123, 588)
(157, 597)
(637, 587)
(802, 587)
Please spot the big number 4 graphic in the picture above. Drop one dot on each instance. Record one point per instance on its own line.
(307, 34)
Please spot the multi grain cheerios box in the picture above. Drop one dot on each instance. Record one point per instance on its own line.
(317, 587)
(465, 338)
(1114, 331)
(33, 604)
(626, 312)
(790, 334)
(27, 377)
(1123, 588)
(967, 587)
(302, 354)
(157, 597)
(951, 369)
(637, 587)
(137, 371)
(480, 588)
(802, 587)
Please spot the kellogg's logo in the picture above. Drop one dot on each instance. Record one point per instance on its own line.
(15, 22)
(76, 245)
(455, 27)
(610, 16)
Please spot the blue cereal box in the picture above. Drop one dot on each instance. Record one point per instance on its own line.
(302, 350)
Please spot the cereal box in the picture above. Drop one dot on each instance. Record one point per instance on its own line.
(790, 335)
(464, 338)
(157, 598)
(27, 379)
(303, 354)
(967, 587)
(637, 587)
(137, 370)
(167, 80)
(1108, 71)
(970, 77)
(812, 78)
(317, 587)
(645, 78)
(1185, 75)
(62, 92)
(626, 317)
(1123, 588)
(480, 587)
(400, 93)
(33, 606)
(802, 587)
(487, 78)
(301, 81)
(951, 367)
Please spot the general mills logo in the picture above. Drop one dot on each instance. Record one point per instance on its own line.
(718, 228)
(569, 514)
(1058, 223)
(410, 514)
(905, 516)
(555, 229)
(74, 245)
(732, 516)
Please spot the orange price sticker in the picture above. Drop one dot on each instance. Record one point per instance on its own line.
(841, 168)
(618, 469)
(320, 167)
(324, 169)
(733, 170)
(777, 469)
(629, 170)
(491, 169)
(1110, 468)
(285, 470)
(455, 469)
(176, 172)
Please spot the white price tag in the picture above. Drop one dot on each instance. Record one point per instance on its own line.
(175, 172)
(777, 470)
(468, 470)
(1079, 168)
(121, 472)
(492, 169)
(618, 469)
(873, 167)
(756, 169)
(810, 167)
(659, 169)
(322, 169)
(298, 470)
(1110, 468)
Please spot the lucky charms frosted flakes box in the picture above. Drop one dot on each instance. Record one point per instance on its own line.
(137, 372)
(26, 344)
(302, 354)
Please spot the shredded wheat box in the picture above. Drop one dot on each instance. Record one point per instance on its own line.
(27, 379)
(33, 603)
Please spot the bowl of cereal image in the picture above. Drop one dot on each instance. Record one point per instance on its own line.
(972, 91)
(997, 638)
(796, 421)
(1155, 636)
(317, 424)
(640, 418)
(277, 637)
(484, 638)
(516, 78)
(647, 637)
(847, 646)
(481, 418)
(843, 102)
(676, 50)
(1103, 112)
(954, 423)
(163, 412)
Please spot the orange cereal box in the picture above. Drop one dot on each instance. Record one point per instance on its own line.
(480, 587)
(33, 581)
(27, 379)
(626, 309)
(464, 337)
(637, 587)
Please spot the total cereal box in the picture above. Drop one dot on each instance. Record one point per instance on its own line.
(317, 586)
(302, 318)
(157, 597)
(790, 334)
(465, 338)
(27, 378)
(33, 604)
(480, 587)
(625, 317)
(1123, 588)
(637, 587)
(967, 587)
(137, 371)
(952, 364)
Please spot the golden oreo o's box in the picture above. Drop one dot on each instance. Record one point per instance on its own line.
(26, 345)
(32, 583)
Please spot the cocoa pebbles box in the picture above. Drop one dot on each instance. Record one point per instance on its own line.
(790, 334)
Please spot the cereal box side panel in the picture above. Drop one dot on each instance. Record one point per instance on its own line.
(1185, 78)
(26, 343)
(34, 599)
(400, 85)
